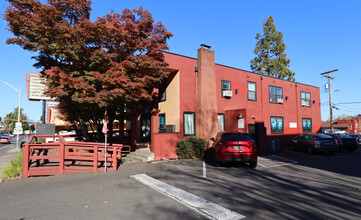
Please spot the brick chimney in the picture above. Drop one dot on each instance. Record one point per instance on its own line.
(206, 109)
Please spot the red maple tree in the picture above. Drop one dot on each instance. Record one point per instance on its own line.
(89, 65)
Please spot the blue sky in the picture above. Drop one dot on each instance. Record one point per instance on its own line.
(320, 36)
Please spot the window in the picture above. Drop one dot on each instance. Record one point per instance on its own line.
(162, 122)
(306, 99)
(189, 123)
(252, 95)
(276, 125)
(163, 96)
(220, 122)
(275, 94)
(307, 124)
(226, 85)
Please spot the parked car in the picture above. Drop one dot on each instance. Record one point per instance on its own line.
(234, 146)
(345, 142)
(312, 143)
(357, 138)
(4, 137)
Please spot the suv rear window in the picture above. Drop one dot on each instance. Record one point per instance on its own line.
(236, 137)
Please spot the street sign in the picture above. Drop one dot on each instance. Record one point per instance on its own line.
(18, 130)
(18, 125)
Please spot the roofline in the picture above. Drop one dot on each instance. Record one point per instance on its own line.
(241, 69)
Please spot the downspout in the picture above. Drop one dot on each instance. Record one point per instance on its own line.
(298, 129)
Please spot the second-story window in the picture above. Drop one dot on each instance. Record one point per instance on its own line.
(226, 86)
(306, 99)
(275, 94)
(252, 95)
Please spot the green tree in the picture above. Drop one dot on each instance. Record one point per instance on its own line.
(13, 118)
(270, 53)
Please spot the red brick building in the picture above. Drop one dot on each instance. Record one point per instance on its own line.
(201, 98)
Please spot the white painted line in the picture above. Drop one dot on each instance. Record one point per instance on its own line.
(262, 165)
(7, 146)
(285, 161)
(204, 169)
(206, 208)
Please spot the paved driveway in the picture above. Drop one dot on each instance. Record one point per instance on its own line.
(285, 186)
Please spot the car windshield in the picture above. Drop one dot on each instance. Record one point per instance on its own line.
(337, 135)
(236, 137)
(322, 136)
(345, 136)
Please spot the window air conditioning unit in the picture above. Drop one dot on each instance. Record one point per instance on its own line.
(170, 128)
(303, 103)
(280, 101)
(227, 93)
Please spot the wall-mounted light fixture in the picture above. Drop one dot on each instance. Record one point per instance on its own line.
(314, 101)
(236, 91)
(253, 117)
(261, 77)
(286, 98)
(196, 69)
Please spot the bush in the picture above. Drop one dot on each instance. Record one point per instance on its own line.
(192, 147)
(14, 169)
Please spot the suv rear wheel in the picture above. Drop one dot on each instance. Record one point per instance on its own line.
(253, 164)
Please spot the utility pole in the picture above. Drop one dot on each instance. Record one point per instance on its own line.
(330, 93)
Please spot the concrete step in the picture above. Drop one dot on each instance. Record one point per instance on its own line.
(141, 154)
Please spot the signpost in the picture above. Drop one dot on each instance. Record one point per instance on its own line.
(18, 128)
(105, 132)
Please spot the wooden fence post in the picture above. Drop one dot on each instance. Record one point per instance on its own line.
(26, 161)
(95, 160)
(61, 158)
(115, 164)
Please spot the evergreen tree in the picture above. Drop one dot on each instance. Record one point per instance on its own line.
(270, 53)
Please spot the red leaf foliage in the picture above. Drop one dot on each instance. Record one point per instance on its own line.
(113, 60)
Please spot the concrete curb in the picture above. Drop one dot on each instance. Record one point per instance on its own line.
(206, 208)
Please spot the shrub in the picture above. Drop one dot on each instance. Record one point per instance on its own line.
(14, 169)
(192, 147)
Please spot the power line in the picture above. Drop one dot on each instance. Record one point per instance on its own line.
(347, 103)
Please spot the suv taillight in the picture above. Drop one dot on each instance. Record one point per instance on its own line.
(252, 146)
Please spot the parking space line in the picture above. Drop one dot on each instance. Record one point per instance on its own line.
(204, 207)
(276, 161)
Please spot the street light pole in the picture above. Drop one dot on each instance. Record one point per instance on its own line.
(17, 136)
(19, 91)
(330, 94)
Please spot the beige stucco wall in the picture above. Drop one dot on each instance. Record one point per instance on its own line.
(171, 107)
(55, 118)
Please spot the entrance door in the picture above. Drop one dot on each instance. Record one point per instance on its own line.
(252, 131)
(145, 128)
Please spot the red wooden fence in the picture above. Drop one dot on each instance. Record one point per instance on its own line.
(58, 156)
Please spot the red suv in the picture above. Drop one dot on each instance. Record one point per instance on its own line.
(234, 146)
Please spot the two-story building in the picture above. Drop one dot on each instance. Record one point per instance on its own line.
(202, 98)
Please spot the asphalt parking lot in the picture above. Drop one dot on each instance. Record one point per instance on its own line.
(289, 185)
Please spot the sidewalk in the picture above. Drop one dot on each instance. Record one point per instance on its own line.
(7, 154)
